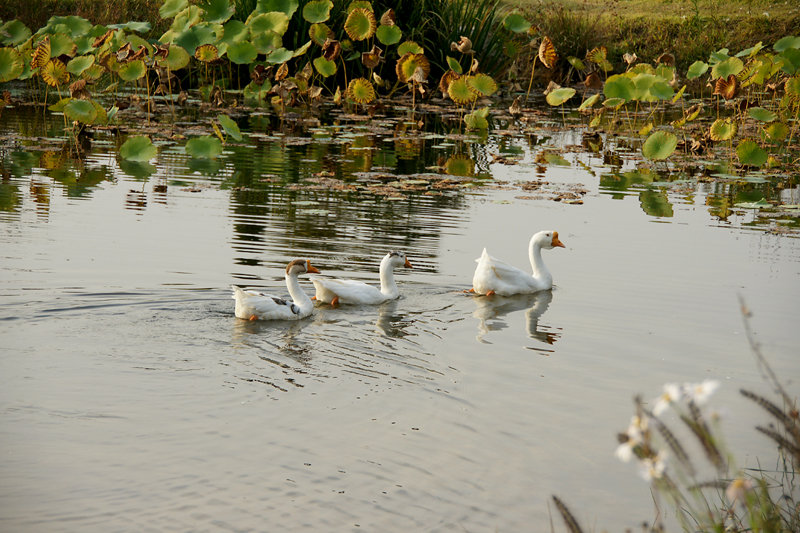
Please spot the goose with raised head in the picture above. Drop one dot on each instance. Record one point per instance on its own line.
(254, 305)
(493, 276)
(348, 291)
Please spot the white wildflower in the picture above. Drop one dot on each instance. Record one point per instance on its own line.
(632, 437)
(672, 393)
(737, 491)
(654, 467)
(701, 392)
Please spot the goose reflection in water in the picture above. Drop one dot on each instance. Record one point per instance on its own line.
(491, 310)
(390, 323)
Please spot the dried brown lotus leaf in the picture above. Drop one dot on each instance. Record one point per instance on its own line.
(547, 52)
(389, 18)
(727, 87)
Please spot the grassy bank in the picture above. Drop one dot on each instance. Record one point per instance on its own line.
(687, 29)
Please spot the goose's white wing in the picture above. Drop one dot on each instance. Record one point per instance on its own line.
(347, 290)
(492, 274)
(263, 306)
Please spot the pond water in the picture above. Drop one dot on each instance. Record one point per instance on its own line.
(132, 398)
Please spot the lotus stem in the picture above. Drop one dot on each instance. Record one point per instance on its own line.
(530, 83)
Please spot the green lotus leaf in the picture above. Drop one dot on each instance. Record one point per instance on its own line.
(359, 4)
(320, 32)
(287, 7)
(576, 63)
(516, 23)
(723, 130)
(791, 60)
(267, 42)
(254, 91)
(661, 90)
(235, 31)
(719, 56)
(197, 35)
(206, 147)
(752, 51)
(172, 8)
(792, 88)
(217, 11)
(281, 55)
(61, 44)
(59, 106)
(679, 94)
(761, 114)
(243, 52)
(230, 127)
(723, 69)
(94, 72)
(84, 45)
(361, 91)
(613, 102)
(642, 68)
(697, 69)
(71, 25)
(14, 33)
(275, 22)
(11, 64)
(484, 84)
(751, 154)
(138, 148)
(138, 27)
(177, 58)
(360, 24)
(454, 65)
(643, 83)
(460, 92)
(619, 86)
(317, 11)
(589, 102)
(324, 67)
(78, 64)
(666, 72)
(475, 121)
(790, 41)
(389, 34)
(409, 47)
(775, 132)
(302, 50)
(183, 21)
(559, 96)
(659, 145)
(80, 110)
(102, 117)
(132, 71)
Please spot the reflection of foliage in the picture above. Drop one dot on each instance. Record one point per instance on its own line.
(655, 203)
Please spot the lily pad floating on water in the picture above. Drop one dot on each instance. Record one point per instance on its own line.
(206, 147)
(761, 204)
(138, 148)
(659, 145)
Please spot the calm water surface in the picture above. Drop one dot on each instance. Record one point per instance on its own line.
(131, 398)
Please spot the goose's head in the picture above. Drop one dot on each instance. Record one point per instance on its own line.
(549, 240)
(398, 259)
(300, 266)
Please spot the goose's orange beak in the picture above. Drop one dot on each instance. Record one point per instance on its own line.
(408, 265)
(310, 269)
(556, 242)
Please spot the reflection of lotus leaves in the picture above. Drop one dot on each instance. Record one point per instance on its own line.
(407, 148)
(139, 170)
(51, 160)
(204, 167)
(460, 165)
(655, 203)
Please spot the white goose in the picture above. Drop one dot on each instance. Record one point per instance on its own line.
(496, 277)
(254, 305)
(347, 291)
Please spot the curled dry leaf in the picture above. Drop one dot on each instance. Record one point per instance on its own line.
(331, 49)
(372, 58)
(103, 39)
(666, 59)
(446, 80)
(547, 52)
(516, 108)
(79, 90)
(597, 55)
(389, 18)
(419, 76)
(630, 59)
(124, 52)
(260, 74)
(283, 71)
(473, 68)
(593, 81)
(161, 51)
(464, 45)
(552, 86)
(727, 87)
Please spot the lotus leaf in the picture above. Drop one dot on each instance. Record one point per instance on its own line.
(589, 102)
(132, 71)
(409, 47)
(302, 50)
(138, 27)
(42, 54)
(761, 204)
(619, 86)
(92, 73)
(559, 96)
(791, 60)
(102, 116)
(177, 58)
(661, 90)
(454, 65)
(320, 33)
(643, 83)
(576, 63)
(460, 165)
(317, 11)
(407, 65)
(697, 69)
(790, 41)
(389, 34)
(206, 147)
(138, 148)
(77, 65)
(206, 53)
(361, 91)
(475, 121)
(547, 52)
(230, 127)
(723, 130)
(556, 159)
(724, 69)
(54, 73)
(197, 35)
(483, 83)
(659, 145)
(613, 102)
(776, 131)
(324, 67)
(80, 110)
(461, 92)
(750, 154)
(761, 114)
(253, 91)
(287, 7)
(360, 24)
(516, 23)
(281, 55)
(235, 31)
(71, 25)
(275, 22)
(14, 33)
(217, 11)
(359, 4)
(752, 51)
(172, 8)
(11, 64)
(679, 94)
(267, 42)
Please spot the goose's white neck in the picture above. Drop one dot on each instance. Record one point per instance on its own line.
(388, 285)
(540, 272)
(299, 297)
